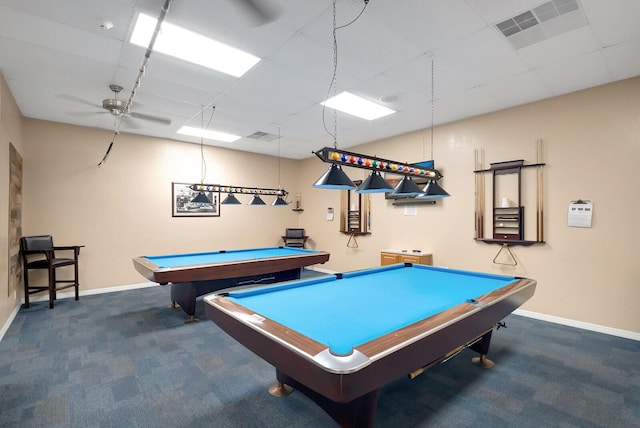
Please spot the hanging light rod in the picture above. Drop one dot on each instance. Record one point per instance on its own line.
(242, 190)
(356, 160)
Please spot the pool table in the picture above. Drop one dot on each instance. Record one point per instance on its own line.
(340, 338)
(195, 274)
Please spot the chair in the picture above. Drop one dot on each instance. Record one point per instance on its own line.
(38, 252)
(294, 238)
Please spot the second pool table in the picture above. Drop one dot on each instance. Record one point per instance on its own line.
(340, 338)
(195, 274)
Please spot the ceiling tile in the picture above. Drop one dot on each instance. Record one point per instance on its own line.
(574, 43)
(575, 74)
(58, 64)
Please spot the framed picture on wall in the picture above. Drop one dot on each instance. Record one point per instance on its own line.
(191, 203)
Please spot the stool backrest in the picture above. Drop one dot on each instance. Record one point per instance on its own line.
(30, 244)
(294, 233)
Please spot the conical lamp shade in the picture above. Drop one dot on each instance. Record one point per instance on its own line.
(375, 184)
(433, 191)
(257, 200)
(407, 187)
(279, 202)
(335, 179)
(201, 199)
(230, 200)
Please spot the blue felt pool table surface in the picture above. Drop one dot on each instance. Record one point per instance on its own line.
(361, 306)
(192, 259)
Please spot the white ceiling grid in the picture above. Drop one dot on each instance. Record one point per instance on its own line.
(58, 64)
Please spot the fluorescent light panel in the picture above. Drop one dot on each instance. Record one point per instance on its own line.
(357, 106)
(208, 134)
(189, 46)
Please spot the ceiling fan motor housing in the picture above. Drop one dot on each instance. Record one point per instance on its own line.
(115, 107)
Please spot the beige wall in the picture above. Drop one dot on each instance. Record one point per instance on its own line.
(123, 208)
(10, 132)
(591, 146)
(591, 143)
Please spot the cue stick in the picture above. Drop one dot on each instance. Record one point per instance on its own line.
(414, 374)
(479, 181)
(482, 191)
(477, 184)
(539, 194)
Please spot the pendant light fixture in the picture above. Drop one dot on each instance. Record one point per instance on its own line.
(335, 178)
(233, 190)
(432, 190)
(257, 200)
(230, 200)
(407, 187)
(279, 201)
(374, 183)
(201, 198)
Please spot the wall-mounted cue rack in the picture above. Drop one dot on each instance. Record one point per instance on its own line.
(507, 211)
(355, 215)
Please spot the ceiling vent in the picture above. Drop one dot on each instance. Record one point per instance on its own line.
(264, 136)
(543, 22)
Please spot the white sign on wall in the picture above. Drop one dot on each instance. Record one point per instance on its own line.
(580, 213)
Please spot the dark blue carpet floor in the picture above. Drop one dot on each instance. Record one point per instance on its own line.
(125, 360)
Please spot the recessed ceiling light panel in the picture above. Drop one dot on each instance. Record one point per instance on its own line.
(208, 134)
(192, 47)
(357, 106)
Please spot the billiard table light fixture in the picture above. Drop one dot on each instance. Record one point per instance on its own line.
(231, 191)
(335, 178)
(432, 190)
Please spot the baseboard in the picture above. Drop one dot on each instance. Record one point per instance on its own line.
(7, 324)
(579, 324)
(43, 297)
(321, 270)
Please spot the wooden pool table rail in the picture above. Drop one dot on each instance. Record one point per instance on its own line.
(229, 269)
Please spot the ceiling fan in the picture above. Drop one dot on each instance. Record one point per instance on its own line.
(118, 108)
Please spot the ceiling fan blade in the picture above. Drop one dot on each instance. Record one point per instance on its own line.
(85, 113)
(130, 122)
(261, 11)
(78, 100)
(162, 120)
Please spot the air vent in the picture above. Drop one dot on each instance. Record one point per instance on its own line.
(264, 136)
(543, 22)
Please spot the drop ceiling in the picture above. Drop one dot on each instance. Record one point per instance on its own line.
(59, 62)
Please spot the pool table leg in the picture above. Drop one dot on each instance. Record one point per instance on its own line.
(482, 347)
(184, 294)
(279, 389)
(360, 412)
